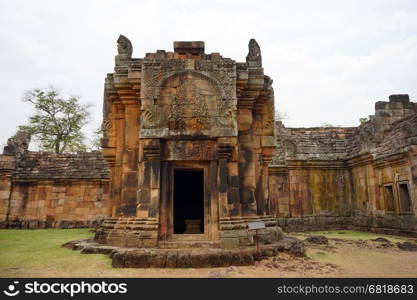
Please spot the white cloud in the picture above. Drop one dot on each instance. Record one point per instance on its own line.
(330, 60)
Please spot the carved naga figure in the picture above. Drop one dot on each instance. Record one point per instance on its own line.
(254, 57)
(124, 50)
(18, 145)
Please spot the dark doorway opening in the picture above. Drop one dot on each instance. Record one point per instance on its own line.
(389, 198)
(188, 201)
(405, 198)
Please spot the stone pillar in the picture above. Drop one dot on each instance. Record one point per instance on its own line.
(165, 207)
(246, 163)
(215, 202)
(130, 155)
(266, 159)
(224, 152)
(149, 183)
(119, 145)
(412, 156)
(233, 198)
(112, 207)
(256, 144)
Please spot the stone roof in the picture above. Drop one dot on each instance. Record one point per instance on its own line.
(402, 134)
(317, 143)
(50, 166)
(383, 135)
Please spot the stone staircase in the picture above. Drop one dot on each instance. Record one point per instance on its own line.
(188, 241)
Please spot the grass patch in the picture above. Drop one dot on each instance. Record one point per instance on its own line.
(39, 253)
(352, 235)
(358, 261)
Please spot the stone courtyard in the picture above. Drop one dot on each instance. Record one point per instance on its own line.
(192, 154)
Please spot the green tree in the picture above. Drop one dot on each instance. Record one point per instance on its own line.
(363, 120)
(57, 122)
(326, 125)
(95, 142)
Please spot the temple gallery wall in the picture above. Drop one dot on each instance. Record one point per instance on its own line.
(191, 148)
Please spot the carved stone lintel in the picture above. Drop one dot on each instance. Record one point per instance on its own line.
(189, 150)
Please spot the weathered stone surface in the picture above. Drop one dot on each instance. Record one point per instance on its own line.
(382, 240)
(317, 239)
(45, 190)
(191, 110)
(187, 110)
(118, 260)
(136, 259)
(188, 257)
(397, 225)
(293, 246)
(198, 259)
(407, 246)
(348, 172)
(171, 259)
(157, 260)
(183, 260)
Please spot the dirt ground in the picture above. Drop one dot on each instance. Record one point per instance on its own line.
(348, 254)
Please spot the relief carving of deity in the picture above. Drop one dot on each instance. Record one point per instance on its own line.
(189, 109)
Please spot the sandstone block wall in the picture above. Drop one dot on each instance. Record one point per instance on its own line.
(336, 175)
(40, 190)
(320, 178)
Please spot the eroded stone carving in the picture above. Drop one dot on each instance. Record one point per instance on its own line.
(106, 125)
(151, 80)
(254, 58)
(190, 150)
(227, 84)
(226, 114)
(18, 144)
(189, 109)
(151, 117)
(124, 50)
(124, 46)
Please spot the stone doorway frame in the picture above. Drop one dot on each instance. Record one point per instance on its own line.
(174, 170)
(211, 218)
(202, 166)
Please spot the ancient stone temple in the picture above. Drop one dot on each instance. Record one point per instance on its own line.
(192, 154)
(188, 137)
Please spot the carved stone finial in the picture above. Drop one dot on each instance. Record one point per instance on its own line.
(124, 50)
(254, 58)
(124, 46)
(18, 144)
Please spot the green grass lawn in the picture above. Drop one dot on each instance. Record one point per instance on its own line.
(39, 253)
(27, 253)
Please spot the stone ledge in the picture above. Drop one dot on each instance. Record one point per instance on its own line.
(186, 258)
(38, 224)
(397, 225)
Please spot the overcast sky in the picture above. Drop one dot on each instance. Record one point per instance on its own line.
(330, 60)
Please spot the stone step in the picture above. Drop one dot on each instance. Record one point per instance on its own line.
(178, 244)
